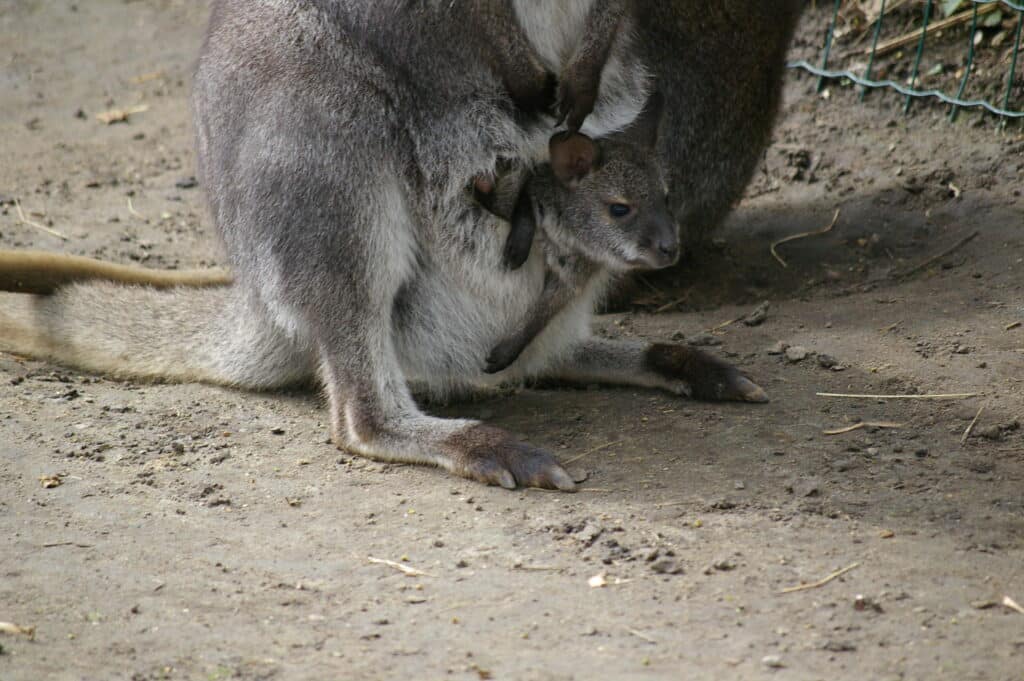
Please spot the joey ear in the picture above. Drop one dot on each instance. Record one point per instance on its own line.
(644, 130)
(573, 156)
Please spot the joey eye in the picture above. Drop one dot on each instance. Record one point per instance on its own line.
(619, 210)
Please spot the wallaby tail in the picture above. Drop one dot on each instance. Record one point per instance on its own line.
(42, 272)
(211, 335)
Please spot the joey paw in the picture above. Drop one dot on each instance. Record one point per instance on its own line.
(516, 251)
(493, 457)
(503, 355)
(577, 97)
(706, 376)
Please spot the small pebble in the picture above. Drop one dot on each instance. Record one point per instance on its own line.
(989, 433)
(796, 353)
(705, 340)
(667, 566)
(772, 662)
(758, 316)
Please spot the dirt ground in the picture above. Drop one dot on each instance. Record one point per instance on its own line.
(203, 533)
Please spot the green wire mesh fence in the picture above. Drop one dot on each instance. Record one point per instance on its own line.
(978, 18)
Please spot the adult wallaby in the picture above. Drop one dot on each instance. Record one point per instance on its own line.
(336, 139)
(720, 67)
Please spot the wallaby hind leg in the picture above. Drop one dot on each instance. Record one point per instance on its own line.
(349, 313)
(676, 368)
(373, 414)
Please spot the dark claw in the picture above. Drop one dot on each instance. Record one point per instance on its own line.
(708, 377)
(520, 236)
(503, 355)
(492, 456)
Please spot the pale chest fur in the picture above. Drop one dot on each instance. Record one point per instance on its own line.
(554, 28)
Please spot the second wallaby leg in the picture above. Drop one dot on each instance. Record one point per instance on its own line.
(677, 368)
(580, 80)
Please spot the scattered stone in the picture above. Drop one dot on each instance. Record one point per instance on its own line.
(725, 565)
(839, 646)
(50, 481)
(993, 432)
(862, 603)
(705, 340)
(758, 316)
(189, 182)
(589, 534)
(739, 485)
(649, 554)
(843, 465)
(177, 447)
(772, 662)
(806, 488)
(796, 353)
(667, 566)
(277, 431)
(778, 348)
(827, 361)
(921, 452)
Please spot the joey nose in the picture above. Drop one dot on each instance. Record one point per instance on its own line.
(661, 244)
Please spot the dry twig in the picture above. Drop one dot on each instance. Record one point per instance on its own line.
(120, 115)
(915, 35)
(43, 228)
(404, 569)
(15, 630)
(862, 424)
(641, 635)
(970, 426)
(930, 261)
(1012, 604)
(135, 213)
(821, 582)
(949, 396)
(802, 235)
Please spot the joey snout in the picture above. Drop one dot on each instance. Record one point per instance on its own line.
(658, 243)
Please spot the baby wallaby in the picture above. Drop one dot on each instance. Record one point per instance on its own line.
(578, 84)
(599, 205)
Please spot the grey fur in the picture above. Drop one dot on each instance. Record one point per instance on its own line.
(336, 139)
(720, 67)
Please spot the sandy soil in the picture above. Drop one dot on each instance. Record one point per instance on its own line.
(201, 533)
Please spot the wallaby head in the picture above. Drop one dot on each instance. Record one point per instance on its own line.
(611, 197)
